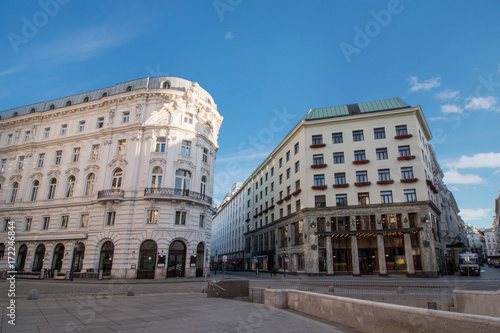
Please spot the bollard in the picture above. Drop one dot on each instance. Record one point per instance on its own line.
(400, 290)
(100, 274)
(55, 274)
(330, 289)
(67, 275)
(33, 295)
(41, 274)
(130, 292)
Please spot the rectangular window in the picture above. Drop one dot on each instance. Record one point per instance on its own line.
(407, 172)
(64, 129)
(272, 171)
(4, 165)
(46, 133)
(248, 203)
(205, 156)
(186, 148)
(125, 117)
(100, 122)
(297, 166)
(361, 176)
(9, 139)
(266, 190)
(95, 152)
(84, 220)
(180, 218)
(27, 224)
(337, 138)
(289, 209)
(110, 218)
(267, 176)
(357, 136)
(64, 221)
(319, 180)
(386, 197)
(272, 186)
(160, 144)
(383, 175)
(281, 195)
(202, 221)
(27, 135)
(57, 157)
(297, 184)
(404, 151)
(288, 190)
(281, 179)
(41, 158)
(317, 139)
(281, 212)
(152, 216)
(363, 198)
(288, 156)
(81, 126)
(338, 158)
(297, 205)
(359, 155)
(188, 118)
(288, 173)
(340, 178)
(76, 155)
(281, 162)
(410, 195)
(296, 148)
(45, 222)
(318, 159)
(341, 200)
(379, 133)
(20, 163)
(121, 147)
(401, 130)
(381, 153)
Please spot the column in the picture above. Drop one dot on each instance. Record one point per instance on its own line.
(410, 269)
(381, 255)
(329, 256)
(355, 256)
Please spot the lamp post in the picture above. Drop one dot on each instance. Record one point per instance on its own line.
(215, 263)
(72, 270)
(284, 261)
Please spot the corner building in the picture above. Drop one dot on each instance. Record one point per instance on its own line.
(117, 179)
(349, 190)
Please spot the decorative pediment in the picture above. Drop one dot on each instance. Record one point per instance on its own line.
(158, 160)
(118, 161)
(93, 167)
(2, 179)
(36, 175)
(184, 164)
(16, 178)
(73, 170)
(205, 170)
(55, 173)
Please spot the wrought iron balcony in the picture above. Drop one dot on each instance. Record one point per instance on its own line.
(173, 193)
(111, 194)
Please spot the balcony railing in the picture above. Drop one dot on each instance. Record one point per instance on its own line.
(111, 194)
(172, 193)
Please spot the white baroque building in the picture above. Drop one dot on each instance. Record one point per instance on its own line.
(117, 179)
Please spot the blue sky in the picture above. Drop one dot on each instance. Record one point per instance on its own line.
(266, 63)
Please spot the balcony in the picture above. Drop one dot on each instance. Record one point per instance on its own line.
(111, 194)
(173, 193)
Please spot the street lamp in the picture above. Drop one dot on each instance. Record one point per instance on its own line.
(72, 270)
(284, 261)
(215, 262)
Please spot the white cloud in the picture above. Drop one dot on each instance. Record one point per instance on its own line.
(11, 70)
(229, 35)
(448, 94)
(482, 103)
(450, 108)
(455, 177)
(436, 118)
(481, 160)
(426, 85)
(475, 214)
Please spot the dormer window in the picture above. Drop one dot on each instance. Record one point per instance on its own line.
(68, 103)
(32, 110)
(166, 85)
(52, 107)
(104, 94)
(86, 99)
(15, 114)
(129, 88)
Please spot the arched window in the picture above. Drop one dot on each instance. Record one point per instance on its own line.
(13, 192)
(116, 184)
(129, 88)
(182, 180)
(34, 190)
(70, 186)
(86, 99)
(104, 94)
(106, 257)
(89, 186)
(52, 107)
(68, 103)
(203, 186)
(52, 188)
(156, 178)
(166, 85)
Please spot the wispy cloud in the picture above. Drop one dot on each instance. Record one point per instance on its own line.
(425, 85)
(11, 70)
(451, 108)
(436, 118)
(228, 35)
(482, 103)
(448, 94)
(455, 177)
(477, 161)
(475, 214)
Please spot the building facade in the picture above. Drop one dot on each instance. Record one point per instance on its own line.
(117, 179)
(475, 240)
(349, 190)
(490, 243)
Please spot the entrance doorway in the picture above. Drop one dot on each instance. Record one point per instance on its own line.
(147, 260)
(200, 258)
(57, 258)
(176, 259)
(106, 257)
(21, 258)
(367, 261)
(39, 258)
(78, 261)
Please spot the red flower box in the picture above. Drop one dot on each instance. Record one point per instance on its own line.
(247, 220)
(318, 166)
(279, 201)
(403, 136)
(319, 187)
(296, 192)
(271, 207)
(362, 184)
(405, 158)
(260, 213)
(434, 189)
(317, 145)
(255, 216)
(385, 182)
(287, 197)
(429, 182)
(409, 180)
(265, 210)
(360, 162)
(340, 185)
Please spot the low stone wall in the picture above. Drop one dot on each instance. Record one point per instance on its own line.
(484, 303)
(368, 316)
(228, 288)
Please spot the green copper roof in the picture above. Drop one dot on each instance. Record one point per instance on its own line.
(352, 109)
